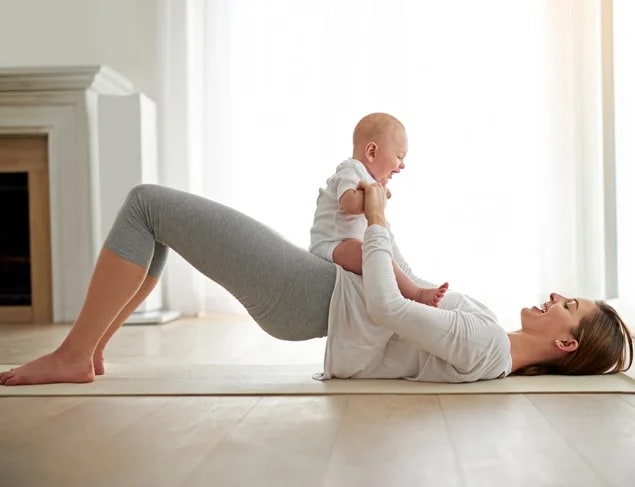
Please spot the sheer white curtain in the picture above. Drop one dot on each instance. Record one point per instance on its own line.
(624, 15)
(490, 93)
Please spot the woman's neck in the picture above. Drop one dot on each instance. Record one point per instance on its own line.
(527, 349)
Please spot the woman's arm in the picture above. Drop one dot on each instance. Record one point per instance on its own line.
(455, 336)
(451, 335)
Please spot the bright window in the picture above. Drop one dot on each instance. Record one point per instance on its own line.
(489, 92)
(624, 78)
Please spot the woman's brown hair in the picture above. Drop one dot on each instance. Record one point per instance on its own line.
(605, 346)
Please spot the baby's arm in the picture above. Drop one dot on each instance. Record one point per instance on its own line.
(352, 202)
(348, 253)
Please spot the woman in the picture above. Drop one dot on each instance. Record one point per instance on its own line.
(372, 330)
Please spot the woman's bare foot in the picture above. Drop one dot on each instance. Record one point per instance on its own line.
(99, 364)
(49, 369)
(432, 296)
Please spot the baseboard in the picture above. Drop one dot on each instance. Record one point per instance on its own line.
(152, 317)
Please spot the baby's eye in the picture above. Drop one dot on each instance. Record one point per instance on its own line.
(566, 305)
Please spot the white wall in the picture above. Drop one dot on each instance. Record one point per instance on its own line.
(119, 33)
(143, 40)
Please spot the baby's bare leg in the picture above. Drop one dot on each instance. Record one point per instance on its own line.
(411, 290)
(115, 281)
(145, 289)
(348, 254)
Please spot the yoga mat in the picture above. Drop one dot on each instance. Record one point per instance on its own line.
(167, 379)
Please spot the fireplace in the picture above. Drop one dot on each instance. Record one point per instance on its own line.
(25, 248)
(15, 251)
(95, 139)
(57, 107)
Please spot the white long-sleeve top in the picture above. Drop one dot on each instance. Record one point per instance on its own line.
(374, 332)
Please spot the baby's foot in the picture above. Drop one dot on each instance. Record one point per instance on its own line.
(432, 296)
(49, 369)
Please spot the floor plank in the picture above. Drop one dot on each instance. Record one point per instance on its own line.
(598, 427)
(281, 441)
(59, 449)
(628, 398)
(505, 440)
(392, 440)
(167, 444)
(19, 413)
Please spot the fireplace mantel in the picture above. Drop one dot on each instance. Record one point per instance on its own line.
(101, 79)
(62, 103)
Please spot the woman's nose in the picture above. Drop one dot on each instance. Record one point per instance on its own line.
(557, 298)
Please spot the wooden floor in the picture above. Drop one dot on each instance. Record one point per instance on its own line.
(341, 441)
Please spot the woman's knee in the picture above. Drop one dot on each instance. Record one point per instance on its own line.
(143, 192)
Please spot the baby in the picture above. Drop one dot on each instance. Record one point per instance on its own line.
(379, 148)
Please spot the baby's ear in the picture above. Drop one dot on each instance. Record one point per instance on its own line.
(371, 151)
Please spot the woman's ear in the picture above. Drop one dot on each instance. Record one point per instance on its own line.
(567, 345)
(370, 151)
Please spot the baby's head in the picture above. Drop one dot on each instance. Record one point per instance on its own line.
(380, 143)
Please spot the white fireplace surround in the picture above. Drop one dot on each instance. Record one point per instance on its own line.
(62, 102)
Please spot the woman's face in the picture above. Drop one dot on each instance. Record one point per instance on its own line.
(557, 317)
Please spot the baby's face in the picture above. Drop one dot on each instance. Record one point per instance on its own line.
(390, 155)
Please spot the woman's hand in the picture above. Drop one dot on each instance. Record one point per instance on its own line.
(374, 203)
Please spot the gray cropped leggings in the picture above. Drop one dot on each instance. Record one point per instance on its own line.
(284, 288)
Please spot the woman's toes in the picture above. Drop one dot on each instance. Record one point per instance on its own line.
(5, 376)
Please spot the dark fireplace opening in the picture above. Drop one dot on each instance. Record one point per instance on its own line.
(15, 253)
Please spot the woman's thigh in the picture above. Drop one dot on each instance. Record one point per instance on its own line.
(284, 288)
